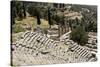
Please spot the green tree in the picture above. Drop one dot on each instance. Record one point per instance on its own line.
(18, 10)
(92, 26)
(77, 21)
(24, 9)
(13, 13)
(49, 17)
(79, 35)
(57, 18)
(37, 14)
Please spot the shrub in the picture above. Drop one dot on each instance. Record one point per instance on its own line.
(79, 35)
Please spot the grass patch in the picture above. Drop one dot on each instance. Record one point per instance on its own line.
(20, 26)
(17, 29)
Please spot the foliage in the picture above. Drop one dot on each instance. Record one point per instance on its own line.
(17, 28)
(93, 26)
(17, 10)
(35, 11)
(37, 14)
(88, 24)
(79, 35)
(49, 17)
(57, 19)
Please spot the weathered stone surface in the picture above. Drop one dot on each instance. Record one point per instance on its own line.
(35, 48)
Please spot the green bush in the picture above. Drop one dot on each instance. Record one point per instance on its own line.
(79, 35)
(17, 29)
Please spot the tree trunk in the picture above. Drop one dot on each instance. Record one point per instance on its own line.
(50, 26)
(58, 30)
(24, 10)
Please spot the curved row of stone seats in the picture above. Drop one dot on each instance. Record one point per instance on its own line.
(27, 44)
(65, 36)
(32, 39)
(24, 58)
(91, 46)
(81, 52)
(35, 46)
